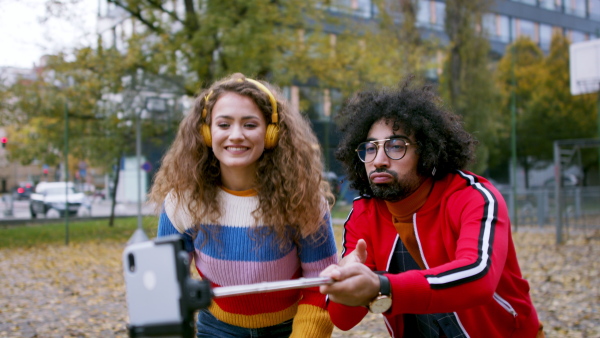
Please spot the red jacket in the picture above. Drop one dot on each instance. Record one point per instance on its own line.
(464, 237)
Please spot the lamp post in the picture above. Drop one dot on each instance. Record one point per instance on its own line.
(598, 111)
(141, 235)
(513, 135)
(147, 93)
(69, 83)
(152, 105)
(138, 235)
(66, 174)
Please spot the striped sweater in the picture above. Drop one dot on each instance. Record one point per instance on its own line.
(235, 255)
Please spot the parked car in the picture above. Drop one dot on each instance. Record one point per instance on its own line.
(23, 191)
(52, 196)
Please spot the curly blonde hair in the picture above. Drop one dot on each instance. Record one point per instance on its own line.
(291, 189)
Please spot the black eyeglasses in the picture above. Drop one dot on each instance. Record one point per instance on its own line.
(395, 148)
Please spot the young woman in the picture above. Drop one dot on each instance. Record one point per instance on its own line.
(243, 183)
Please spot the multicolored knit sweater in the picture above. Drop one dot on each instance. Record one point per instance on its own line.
(236, 255)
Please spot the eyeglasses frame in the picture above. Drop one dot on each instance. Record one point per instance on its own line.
(382, 142)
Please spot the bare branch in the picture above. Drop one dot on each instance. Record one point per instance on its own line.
(136, 13)
(159, 6)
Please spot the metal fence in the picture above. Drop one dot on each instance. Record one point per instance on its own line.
(579, 209)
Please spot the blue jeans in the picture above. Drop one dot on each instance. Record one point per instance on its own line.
(209, 326)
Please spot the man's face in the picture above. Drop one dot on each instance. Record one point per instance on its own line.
(392, 180)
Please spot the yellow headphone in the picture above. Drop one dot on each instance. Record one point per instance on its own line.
(272, 134)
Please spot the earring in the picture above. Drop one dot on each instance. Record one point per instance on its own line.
(433, 171)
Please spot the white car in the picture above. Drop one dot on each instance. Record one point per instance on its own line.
(50, 196)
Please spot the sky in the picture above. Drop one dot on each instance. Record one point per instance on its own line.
(25, 37)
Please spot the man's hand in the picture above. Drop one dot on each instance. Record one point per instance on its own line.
(355, 284)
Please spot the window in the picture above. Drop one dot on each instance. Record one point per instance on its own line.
(545, 36)
(423, 13)
(553, 5)
(488, 22)
(440, 14)
(525, 28)
(594, 10)
(575, 7)
(360, 8)
(528, 2)
(577, 36)
(503, 28)
(496, 27)
(431, 14)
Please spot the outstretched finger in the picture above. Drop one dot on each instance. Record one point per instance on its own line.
(359, 255)
(361, 251)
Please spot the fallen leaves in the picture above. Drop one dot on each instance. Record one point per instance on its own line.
(78, 291)
(564, 281)
(59, 291)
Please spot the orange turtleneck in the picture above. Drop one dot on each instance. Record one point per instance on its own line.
(243, 193)
(402, 213)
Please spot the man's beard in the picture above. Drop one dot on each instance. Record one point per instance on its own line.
(396, 190)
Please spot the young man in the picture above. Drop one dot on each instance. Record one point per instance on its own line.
(427, 244)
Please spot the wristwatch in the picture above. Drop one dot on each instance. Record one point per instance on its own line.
(383, 301)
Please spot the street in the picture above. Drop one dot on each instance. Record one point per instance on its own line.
(99, 208)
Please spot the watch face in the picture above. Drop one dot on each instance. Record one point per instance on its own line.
(381, 304)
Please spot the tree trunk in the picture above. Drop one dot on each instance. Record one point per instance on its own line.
(113, 194)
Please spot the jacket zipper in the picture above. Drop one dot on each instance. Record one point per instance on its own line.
(506, 305)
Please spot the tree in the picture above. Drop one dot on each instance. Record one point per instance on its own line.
(395, 47)
(546, 110)
(284, 41)
(466, 83)
(73, 88)
(206, 40)
(552, 112)
(94, 93)
(518, 73)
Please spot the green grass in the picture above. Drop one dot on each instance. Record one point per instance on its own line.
(341, 210)
(79, 232)
(95, 230)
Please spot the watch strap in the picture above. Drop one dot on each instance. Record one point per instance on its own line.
(384, 288)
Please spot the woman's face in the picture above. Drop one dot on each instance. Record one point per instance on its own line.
(238, 130)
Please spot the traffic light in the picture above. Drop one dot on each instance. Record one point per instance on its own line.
(3, 140)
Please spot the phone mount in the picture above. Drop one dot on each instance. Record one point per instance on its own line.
(159, 305)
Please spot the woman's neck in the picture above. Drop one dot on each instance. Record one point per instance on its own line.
(238, 179)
